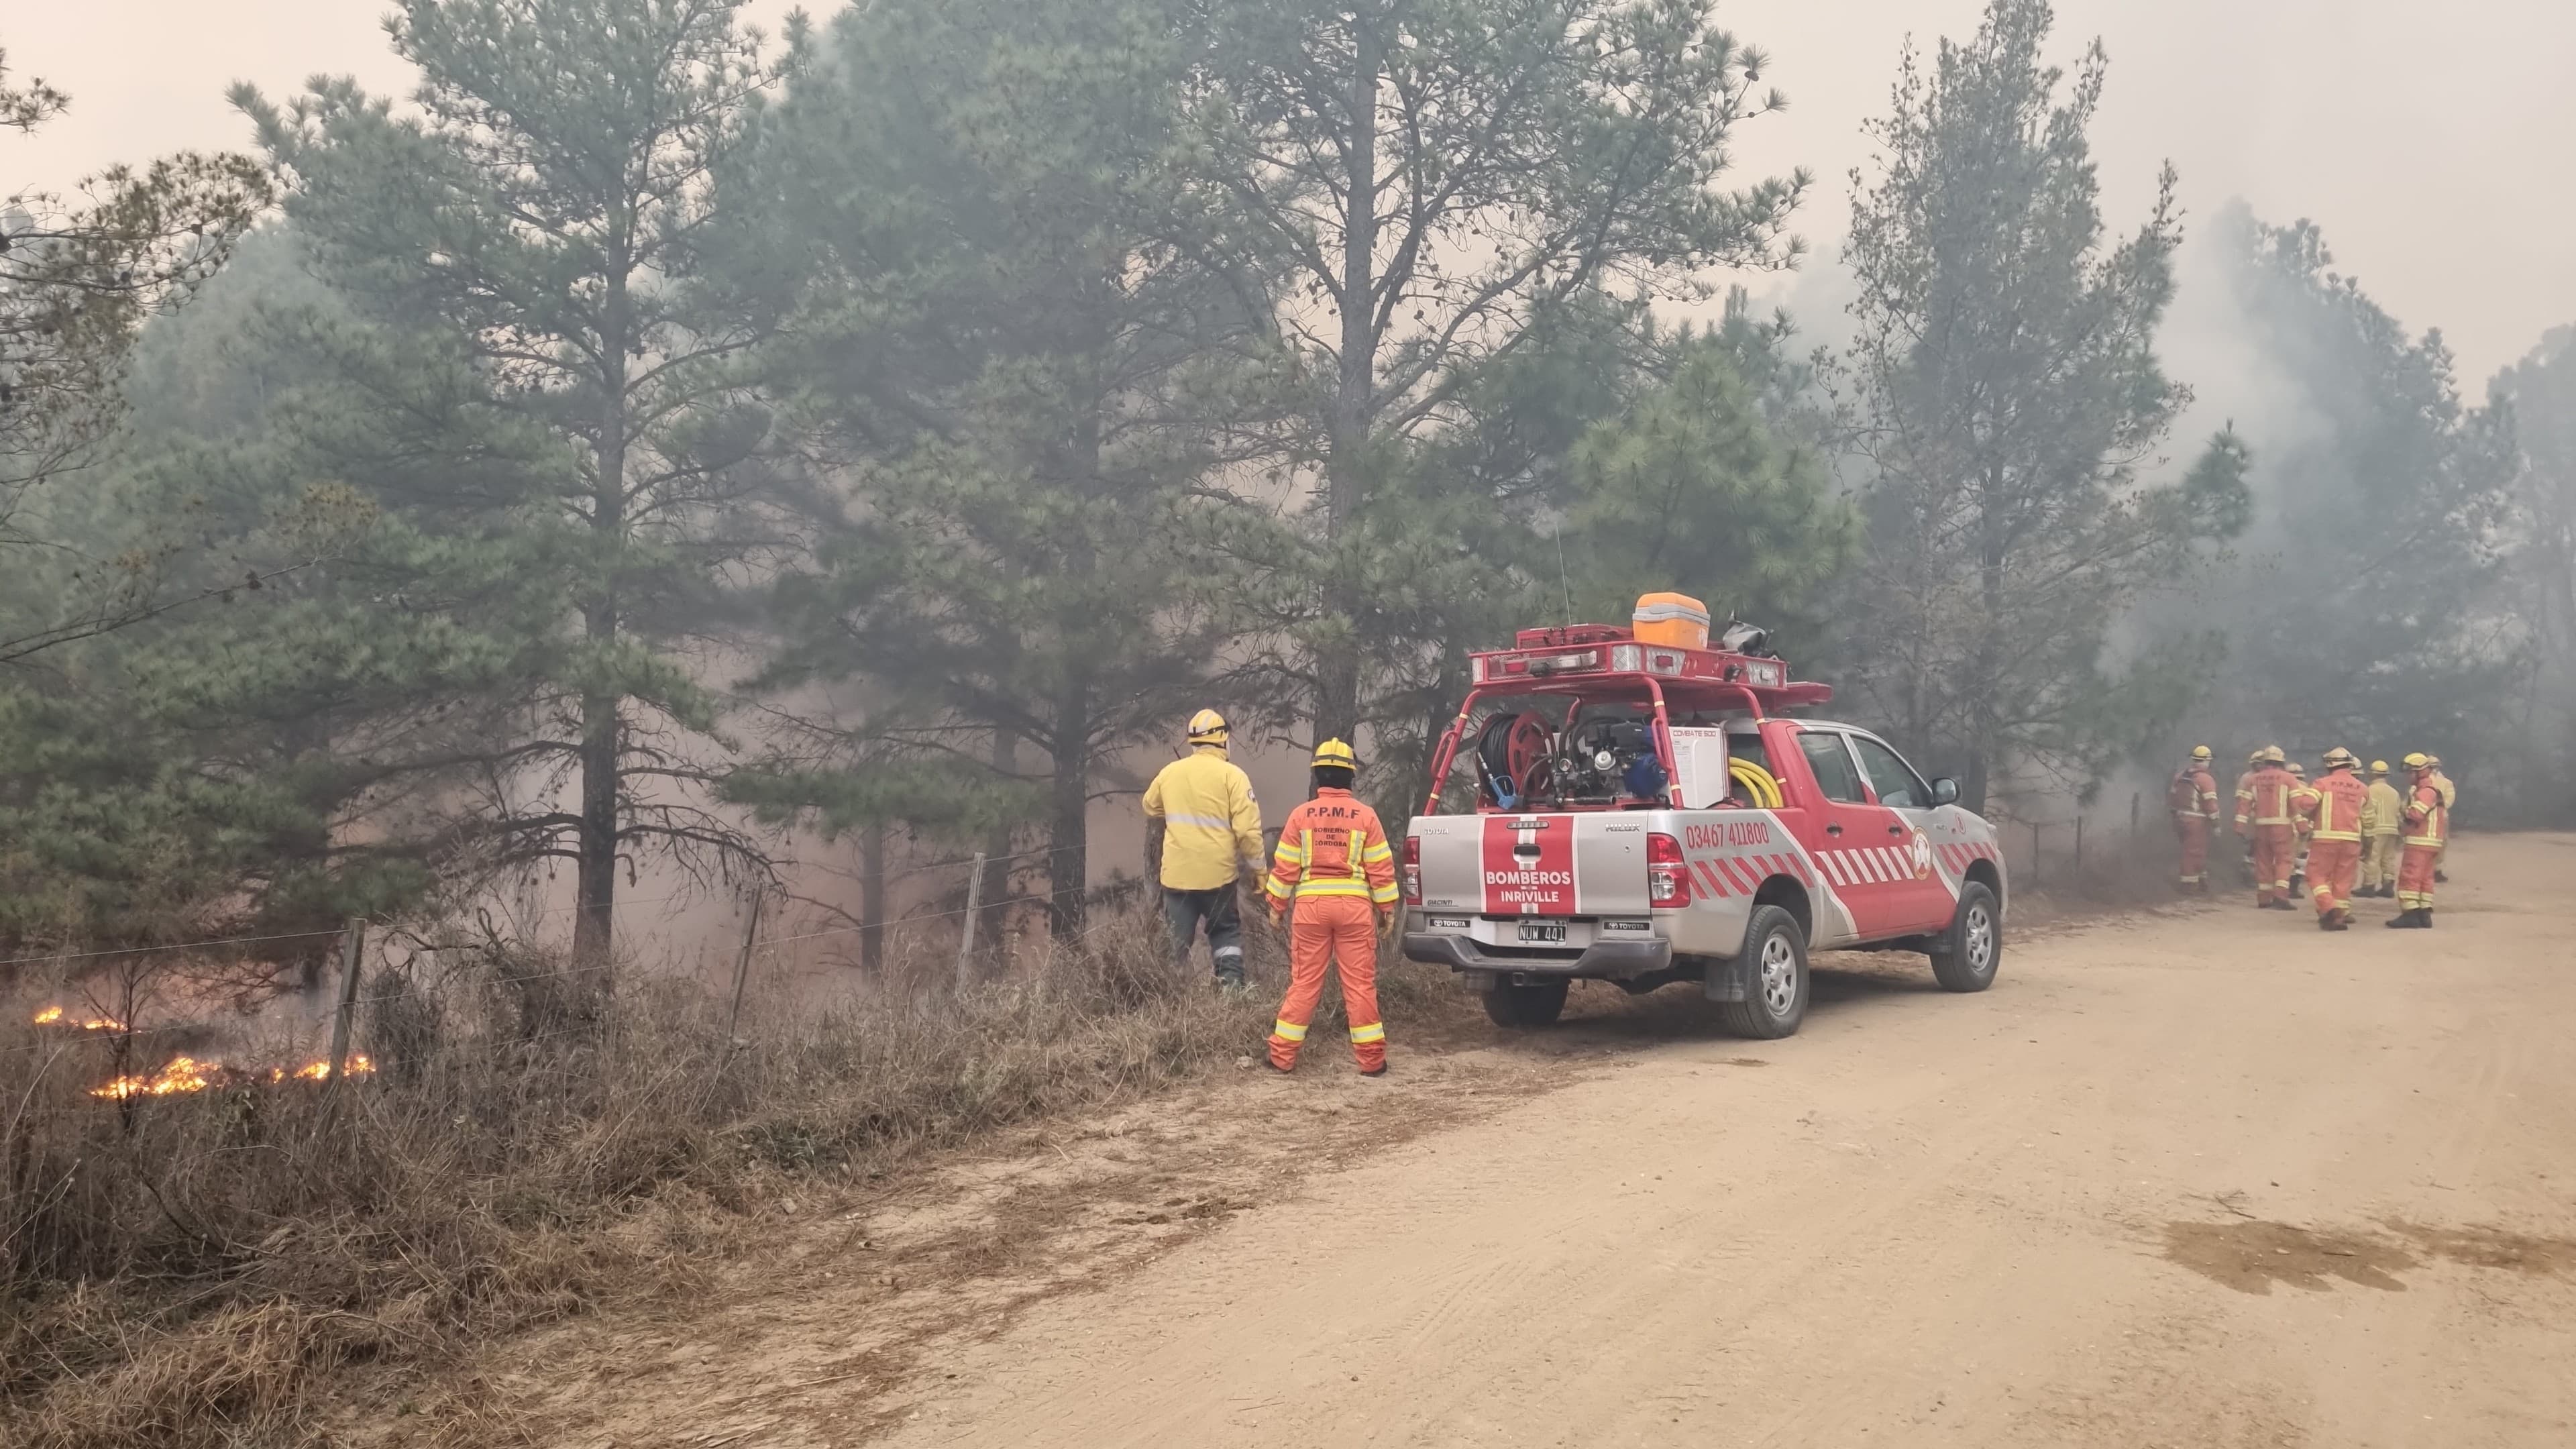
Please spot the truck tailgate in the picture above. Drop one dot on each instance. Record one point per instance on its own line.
(1583, 864)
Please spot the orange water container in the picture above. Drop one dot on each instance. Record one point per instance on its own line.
(1675, 620)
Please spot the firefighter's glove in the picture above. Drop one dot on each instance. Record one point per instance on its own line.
(1386, 924)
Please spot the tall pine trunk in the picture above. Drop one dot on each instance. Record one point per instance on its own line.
(872, 900)
(602, 715)
(1337, 673)
(996, 886)
(1985, 688)
(1069, 808)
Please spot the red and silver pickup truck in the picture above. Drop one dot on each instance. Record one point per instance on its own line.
(1642, 814)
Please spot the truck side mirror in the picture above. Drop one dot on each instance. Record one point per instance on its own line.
(1945, 791)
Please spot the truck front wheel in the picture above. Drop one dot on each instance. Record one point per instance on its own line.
(1539, 1003)
(1775, 978)
(1965, 956)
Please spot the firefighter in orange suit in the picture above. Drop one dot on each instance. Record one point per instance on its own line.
(2331, 808)
(2263, 810)
(2441, 780)
(2244, 800)
(2193, 798)
(2425, 828)
(2299, 830)
(1335, 867)
(2379, 821)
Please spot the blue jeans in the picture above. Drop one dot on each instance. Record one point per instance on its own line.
(1184, 911)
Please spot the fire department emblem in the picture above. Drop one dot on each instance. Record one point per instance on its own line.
(1922, 856)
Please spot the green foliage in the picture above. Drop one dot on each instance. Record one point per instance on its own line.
(77, 282)
(1432, 178)
(1020, 376)
(542, 352)
(988, 383)
(1691, 489)
(1602, 460)
(2006, 367)
(285, 753)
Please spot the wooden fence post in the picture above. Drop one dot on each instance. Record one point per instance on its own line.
(974, 907)
(353, 954)
(742, 968)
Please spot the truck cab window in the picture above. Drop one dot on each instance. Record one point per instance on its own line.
(1894, 780)
(1832, 762)
(1748, 746)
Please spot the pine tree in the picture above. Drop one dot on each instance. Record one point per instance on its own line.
(1021, 379)
(533, 250)
(77, 280)
(284, 753)
(2012, 394)
(1433, 177)
(1604, 458)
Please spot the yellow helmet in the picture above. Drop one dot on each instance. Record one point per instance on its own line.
(2200, 752)
(2416, 761)
(2379, 767)
(2295, 768)
(2340, 758)
(2432, 759)
(2271, 755)
(1335, 752)
(1207, 727)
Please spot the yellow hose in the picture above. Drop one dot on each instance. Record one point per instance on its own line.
(1759, 786)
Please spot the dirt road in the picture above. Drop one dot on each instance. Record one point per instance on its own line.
(2204, 1178)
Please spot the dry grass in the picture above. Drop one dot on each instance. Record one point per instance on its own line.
(185, 1270)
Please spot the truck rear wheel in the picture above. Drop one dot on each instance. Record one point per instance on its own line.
(1539, 1003)
(1775, 978)
(1965, 956)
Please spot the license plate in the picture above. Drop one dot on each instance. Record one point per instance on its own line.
(1542, 933)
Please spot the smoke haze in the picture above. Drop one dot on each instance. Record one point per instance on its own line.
(2407, 134)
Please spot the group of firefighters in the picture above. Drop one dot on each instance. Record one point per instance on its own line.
(1334, 868)
(2362, 836)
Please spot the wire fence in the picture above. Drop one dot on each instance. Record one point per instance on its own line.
(120, 1031)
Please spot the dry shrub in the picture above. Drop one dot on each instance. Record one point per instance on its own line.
(176, 1271)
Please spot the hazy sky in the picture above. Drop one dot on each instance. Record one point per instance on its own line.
(2431, 142)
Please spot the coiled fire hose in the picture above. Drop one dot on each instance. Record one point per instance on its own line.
(1758, 785)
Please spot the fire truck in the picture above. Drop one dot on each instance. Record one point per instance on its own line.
(1645, 812)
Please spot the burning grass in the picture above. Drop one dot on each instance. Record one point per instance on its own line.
(177, 1267)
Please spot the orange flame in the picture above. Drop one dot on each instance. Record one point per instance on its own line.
(53, 1016)
(187, 1074)
(320, 1071)
(183, 1074)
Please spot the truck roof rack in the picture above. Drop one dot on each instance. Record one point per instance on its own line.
(1611, 662)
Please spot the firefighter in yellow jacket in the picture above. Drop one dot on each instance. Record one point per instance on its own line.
(1336, 869)
(2379, 821)
(2450, 799)
(1203, 807)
